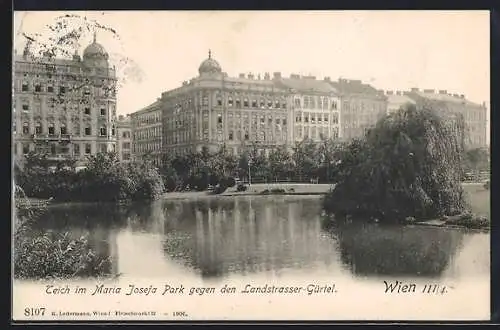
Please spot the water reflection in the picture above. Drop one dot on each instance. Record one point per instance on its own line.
(247, 235)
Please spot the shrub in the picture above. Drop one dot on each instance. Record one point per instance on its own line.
(241, 187)
(40, 254)
(277, 191)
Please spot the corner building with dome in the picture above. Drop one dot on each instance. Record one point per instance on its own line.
(213, 109)
(64, 107)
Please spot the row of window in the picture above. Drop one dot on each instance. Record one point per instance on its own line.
(316, 118)
(63, 130)
(148, 119)
(262, 104)
(315, 132)
(149, 133)
(315, 102)
(55, 149)
(86, 110)
(139, 148)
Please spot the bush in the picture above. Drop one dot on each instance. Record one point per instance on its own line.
(468, 220)
(277, 191)
(104, 179)
(230, 182)
(40, 254)
(241, 187)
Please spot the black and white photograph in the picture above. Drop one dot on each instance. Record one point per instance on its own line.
(251, 165)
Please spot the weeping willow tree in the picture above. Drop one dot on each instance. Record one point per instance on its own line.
(409, 164)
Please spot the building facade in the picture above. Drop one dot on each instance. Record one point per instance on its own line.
(147, 133)
(64, 107)
(124, 137)
(361, 107)
(248, 111)
(315, 108)
(474, 115)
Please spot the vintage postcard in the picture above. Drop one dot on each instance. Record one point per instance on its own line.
(251, 165)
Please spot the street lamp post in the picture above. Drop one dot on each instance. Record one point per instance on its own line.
(249, 174)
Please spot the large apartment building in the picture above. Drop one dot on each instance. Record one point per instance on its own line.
(124, 138)
(64, 107)
(451, 106)
(147, 137)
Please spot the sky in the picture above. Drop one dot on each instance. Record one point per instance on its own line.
(392, 50)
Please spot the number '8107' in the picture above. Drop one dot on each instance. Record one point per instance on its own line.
(34, 311)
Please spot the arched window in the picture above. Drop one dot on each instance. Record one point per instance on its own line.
(88, 130)
(262, 104)
(103, 130)
(238, 103)
(63, 129)
(38, 128)
(269, 104)
(52, 129)
(230, 101)
(245, 103)
(26, 128)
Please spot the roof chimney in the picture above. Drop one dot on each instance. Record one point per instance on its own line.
(443, 91)
(327, 79)
(267, 76)
(414, 89)
(242, 75)
(258, 76)
(462, 96)
(455, 95)
(430, 91)
(399, 93)
(390, 92)
(250, 75)
(294, 76)
(277, 75)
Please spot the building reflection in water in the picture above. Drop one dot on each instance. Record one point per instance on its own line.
(217, 236)
(246, 235)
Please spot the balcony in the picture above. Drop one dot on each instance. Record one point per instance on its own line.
(52, 137)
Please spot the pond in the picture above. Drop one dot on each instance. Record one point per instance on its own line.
(257, 239)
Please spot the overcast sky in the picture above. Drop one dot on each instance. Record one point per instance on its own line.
(389, 49)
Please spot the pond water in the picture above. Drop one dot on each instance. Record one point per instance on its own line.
(251, 239)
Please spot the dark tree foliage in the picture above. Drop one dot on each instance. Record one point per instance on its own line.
(409, 164)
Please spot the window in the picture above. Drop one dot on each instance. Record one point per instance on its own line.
(219, 101)
(238, 103)
(86, 111)
(26, 148)
(306, 119)
(26, 128)
(113, 130)
(103, 131)
(262, 104)
(126, 145)
(53, 149)
(103, 148)
(38, 88)
(86, 91)
(283, 121)
(50, 89)
(269, 104)
(297, 103)
(88, 131)
(76, 150)
(63, 129)
(326, 119)
(283, 105)
(334, 105)
(246, 136)
(24, 87)
(245, 103)
(62, 89)
(52, 129)
(126, 135)
(126, 156)
(219, 118)
(38, 128)
(335, 117)
(231, 136)
(230, 102)
(103, 112)
(254, 103)
(26, 107)
(277, 104)
(88, 148)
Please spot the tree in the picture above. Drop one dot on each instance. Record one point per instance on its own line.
(476, 160)
(409, 164)
(280, 163)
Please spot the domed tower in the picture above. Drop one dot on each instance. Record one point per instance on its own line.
(95, 55)
(209, 66)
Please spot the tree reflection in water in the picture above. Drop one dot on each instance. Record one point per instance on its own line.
(371, 249)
